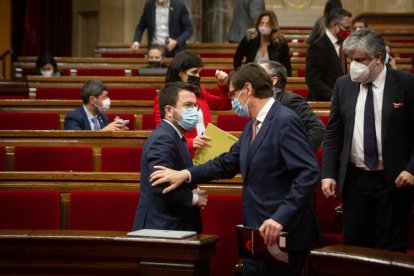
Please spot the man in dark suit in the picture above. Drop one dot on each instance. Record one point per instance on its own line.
(323, 59)
(278, 166)
(312, 123)
(91, 115)
(167, 23)
(369, 146)
(178, 210)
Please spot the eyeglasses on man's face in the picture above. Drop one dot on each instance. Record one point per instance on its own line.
(190, 107)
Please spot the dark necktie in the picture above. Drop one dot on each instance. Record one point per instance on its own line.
(370, 138)
(342, 59)
(254, 129)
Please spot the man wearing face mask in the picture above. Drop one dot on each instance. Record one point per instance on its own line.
(369, 147)
(278, 167)
(325, 59)
(91, 115)
(179, 210)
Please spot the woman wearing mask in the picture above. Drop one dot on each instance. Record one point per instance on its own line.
(264, 43)
(186, 66)
(46, 66)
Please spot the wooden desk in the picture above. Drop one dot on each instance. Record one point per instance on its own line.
(110, 253)
(343, 260)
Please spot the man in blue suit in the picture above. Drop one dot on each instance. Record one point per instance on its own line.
(178, 210)
(90, 116)
(278, 166)
(167, 22)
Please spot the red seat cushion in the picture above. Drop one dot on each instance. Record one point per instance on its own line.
(50, 158)
(2, 158)
(211, 72)
(106, 211)
(324, 118)
(301, 73)
(29, 210)
(123, 54)
(59, 93)
(100, 72)
(148, 122)
(124, 116)
(121, 159)
(29, 120)
(220, 217)
(132, 93)
(231, 122)
(304, 92)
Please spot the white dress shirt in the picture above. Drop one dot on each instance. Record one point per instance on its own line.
(90, 119)
(357, 150)
(334, 41)
(161, 24)
(263, 113)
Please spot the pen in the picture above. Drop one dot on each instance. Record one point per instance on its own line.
(202, 133)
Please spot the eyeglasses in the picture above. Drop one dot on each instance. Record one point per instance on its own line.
(191, 107)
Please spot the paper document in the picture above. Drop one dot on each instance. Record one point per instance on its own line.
(221, 141)
(164, 234)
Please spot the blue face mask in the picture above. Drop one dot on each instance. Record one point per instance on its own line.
(241, 110)
(387, 59)
(189, 119)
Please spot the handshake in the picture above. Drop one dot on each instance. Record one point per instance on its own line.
(202, 198)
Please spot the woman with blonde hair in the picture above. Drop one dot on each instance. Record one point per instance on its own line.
(264, 42)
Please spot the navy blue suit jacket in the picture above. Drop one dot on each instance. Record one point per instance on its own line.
(78, 120)
(179, 24)
(279, 171)
(171, 211)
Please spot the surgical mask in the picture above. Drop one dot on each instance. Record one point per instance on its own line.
(189, 119)
(46, 73)
(241, 110)
(359, 72)
(154, 64)
(342, 35)
(194, 80)
(387, 58)
(263, 30)
(106, 104)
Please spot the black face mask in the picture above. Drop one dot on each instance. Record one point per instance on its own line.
(194, 80)
(154, 64)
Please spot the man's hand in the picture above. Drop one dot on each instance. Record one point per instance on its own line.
(166, 175)
(404, 180)
(270, 230)
(329, 187)
(116, 125)
(202, 197)
(135, 46)
(171, 45)
(221, 77)
(201, 141)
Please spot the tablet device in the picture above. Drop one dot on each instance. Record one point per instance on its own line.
(164, 234)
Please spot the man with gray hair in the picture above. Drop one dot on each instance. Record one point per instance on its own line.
(325, 61)
(312, 123)
(368, 154)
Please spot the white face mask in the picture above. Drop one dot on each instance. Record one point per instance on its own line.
(359, 72)
(263, 30)
(46, 73)
(106, 104)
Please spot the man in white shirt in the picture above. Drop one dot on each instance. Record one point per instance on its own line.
(368, 154)
(167, 22)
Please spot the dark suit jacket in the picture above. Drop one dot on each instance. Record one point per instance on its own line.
(322, 69)
(279, 172)
(78, 120)
(248, 48)
(312, 123)
(171, 211)
(179, 24)
(397, 128)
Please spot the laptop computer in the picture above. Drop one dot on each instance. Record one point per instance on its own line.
(163, 234)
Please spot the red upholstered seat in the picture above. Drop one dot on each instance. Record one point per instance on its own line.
(406, 55)
(324, 118)
(124, 116)
(301, 72)
(106, 211)
(211, 72)
(121, 159)
(29, 120)
(100, 72)
(132, 93)
(2, 158)
(123, 54)
(29, 210)
(59, 93)
(148, 122)
(53, 158)
(231, 122)
(220, 217)
(304, 92)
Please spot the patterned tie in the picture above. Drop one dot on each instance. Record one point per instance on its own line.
(342, 59)
(95, 121)
(370, 138)
(254, 129)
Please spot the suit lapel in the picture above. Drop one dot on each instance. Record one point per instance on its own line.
(182, 145)
(390, 90)
(85, 119)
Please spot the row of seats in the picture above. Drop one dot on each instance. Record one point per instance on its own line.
(114, 211)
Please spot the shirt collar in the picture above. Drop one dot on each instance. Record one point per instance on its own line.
(176, 129)
(380, 80)
(89, 114)
(331, 37)
(265, 109)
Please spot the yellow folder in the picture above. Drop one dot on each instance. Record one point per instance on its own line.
(221, 141)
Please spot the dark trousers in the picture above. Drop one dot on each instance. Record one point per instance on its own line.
(263, 268)
(373, 216)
